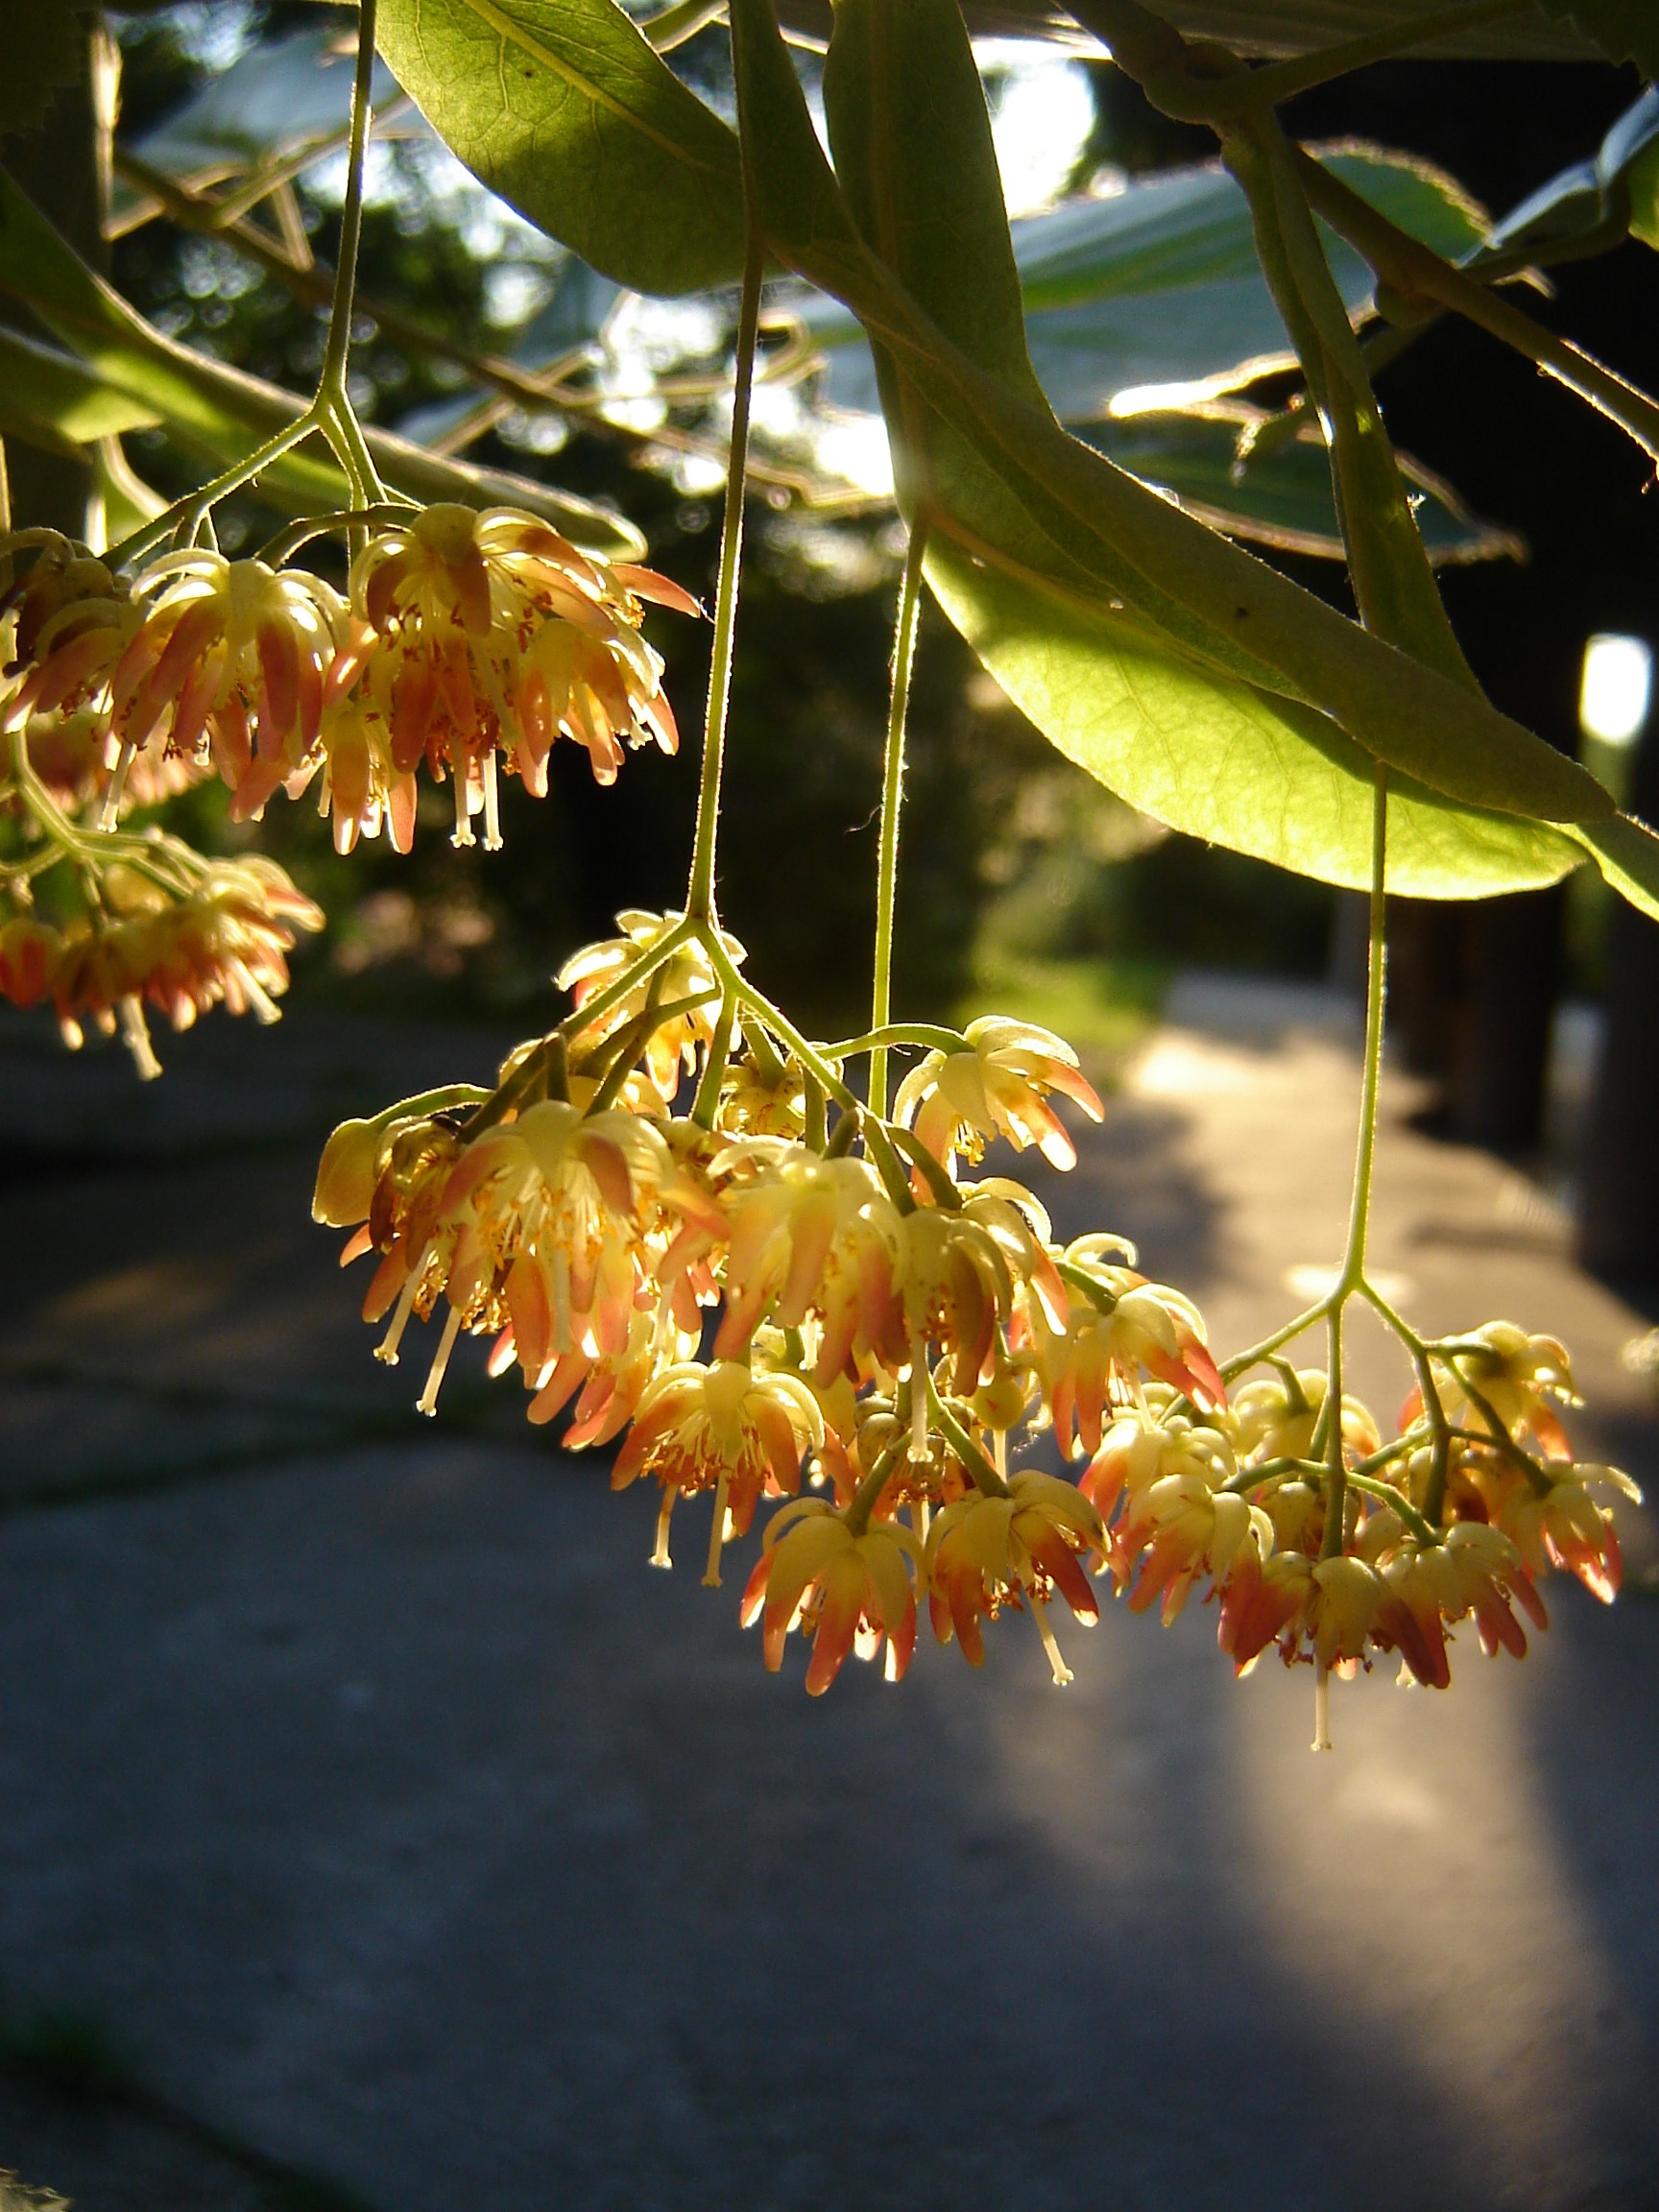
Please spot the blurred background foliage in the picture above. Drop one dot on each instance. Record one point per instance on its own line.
(1022, 880)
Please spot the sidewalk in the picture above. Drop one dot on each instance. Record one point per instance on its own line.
(396, 1822)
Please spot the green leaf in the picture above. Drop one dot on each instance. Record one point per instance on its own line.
(1160, 284)
(1625, 30)
(1223, 761)
(220, 412)
(1628, 853)
(1590, 204)
(51, 399)
(1013, 488)
(1280, 495)
(564, 111)
(1279, 27)
(1642, 180)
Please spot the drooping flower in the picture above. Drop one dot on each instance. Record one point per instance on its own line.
(1566, 1527)
(1116, 1327)
(70, 752)
(725, 1428)
(1429, 1587)
(1518, 1376)
(1275, 1417)
(480, 635)
(846, 1590)
(224, 943)
(1182, 1527)
(234, 654)
(1001, 1086)
(807, 1236)
(674, 1046)
(985, 1553)
(72, 621)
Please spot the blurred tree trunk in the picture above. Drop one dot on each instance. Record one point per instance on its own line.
(1619, 1205)
(63, 165)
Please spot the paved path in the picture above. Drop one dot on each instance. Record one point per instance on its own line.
(401, 1825)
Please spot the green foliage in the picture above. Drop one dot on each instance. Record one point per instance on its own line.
(563, 109)
(1017, 494)
(1299, 26)
(1223, 761)
(1643, 180)
(219, 412)
(1625, 30)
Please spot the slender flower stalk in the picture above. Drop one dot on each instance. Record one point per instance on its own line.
(700, 894)
(891, 802)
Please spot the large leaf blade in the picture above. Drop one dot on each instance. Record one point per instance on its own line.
(1223, 761)
(564, 111)
(1033, 496)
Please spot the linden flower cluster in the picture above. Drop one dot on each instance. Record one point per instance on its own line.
(465, 643)
(758, 1294)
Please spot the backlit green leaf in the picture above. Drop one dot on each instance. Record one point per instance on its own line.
(50, 399)
(1016, 489)
(1220, 760)
(563, 109)
(1628, 853)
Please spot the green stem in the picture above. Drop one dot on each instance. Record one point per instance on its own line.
(932, 1035)
(1393, 582)
(186, 514)
(338, 341)
(986, 1479)
(714, 1069)
(1375, 993)
(700, 894)
(1417, 273)
(892, 801)
(1353, 1275)
(1419, 1527)
(1253, 1358)
(862, 1502)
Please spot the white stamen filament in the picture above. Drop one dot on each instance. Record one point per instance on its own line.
(110, 812)
(716, 1538)
(463, 832)
(919, 1518)
(1040, 1614)
(387, 1349)
(999, 1451)
(660, 1557)
(265, 1008)
(427, 1401)
(1321, 1707)
(135, 1032)
(491, 807)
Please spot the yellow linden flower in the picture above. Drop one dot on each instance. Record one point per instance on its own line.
(673, 1048)
(724, 1428)
(846, 1591)
(954, 1101)
(483, 634)
(985, 1553)
(234, 653)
